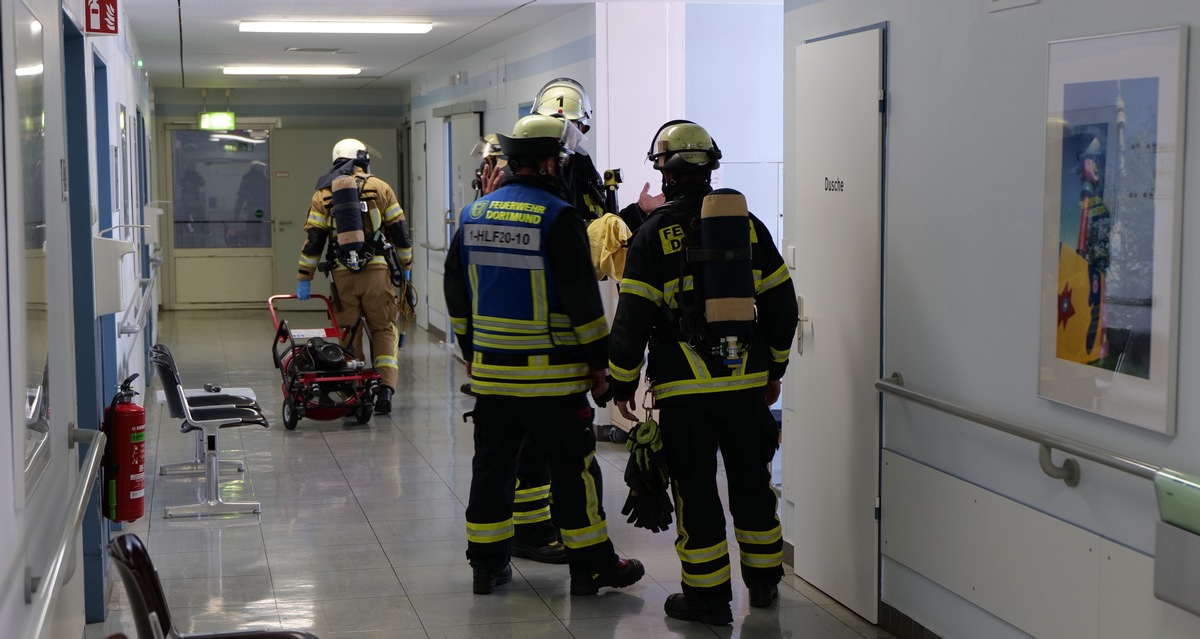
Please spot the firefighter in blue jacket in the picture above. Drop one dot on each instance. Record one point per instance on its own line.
(526, 310)
(711, 395)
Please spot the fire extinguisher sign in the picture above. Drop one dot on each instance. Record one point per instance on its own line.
(101, 17)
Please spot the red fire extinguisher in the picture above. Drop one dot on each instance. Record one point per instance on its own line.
(125, 456)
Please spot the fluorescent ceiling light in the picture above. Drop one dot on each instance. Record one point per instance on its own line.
(291, 70)
(314, 26)
(33, 70)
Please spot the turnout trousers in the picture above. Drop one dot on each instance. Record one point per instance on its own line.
(559, 429)
(741, 427)
(370, 294)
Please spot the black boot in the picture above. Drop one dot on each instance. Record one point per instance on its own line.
(712, 613)
(625, 572)
(486, 579)
(552, 553)
(383, 399)
(762, 596)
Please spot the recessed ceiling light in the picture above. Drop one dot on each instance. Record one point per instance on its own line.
(291, 70)
(315, 26)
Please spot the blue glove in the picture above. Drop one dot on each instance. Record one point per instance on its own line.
(303, 289)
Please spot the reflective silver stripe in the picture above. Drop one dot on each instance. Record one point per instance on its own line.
(583, 537)
(762, 561)
(489, 533)
(641, 289)
(537, 287)
(778, 356)
(718, 384)
(758, 537)
(707, 581)
(592, 331)
(532, 494)
(308, 261)
(624, 374)
(392, 212)
(528, 238)
(532, 516)
(508, 260)
(774, 279)
(530, 372)
(511, 342)
(316, 218)
(699, 368)
(492, 387)
(385, 361)
(701, 555)
(502, 324)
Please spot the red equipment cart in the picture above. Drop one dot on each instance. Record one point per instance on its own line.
(321, 380)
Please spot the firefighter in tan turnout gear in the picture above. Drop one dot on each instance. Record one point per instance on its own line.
(357, 231)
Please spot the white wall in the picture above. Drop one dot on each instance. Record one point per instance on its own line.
(963, 237)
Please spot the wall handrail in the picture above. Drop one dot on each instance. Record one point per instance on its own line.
(143, 306)
(895, 386)
(74, 517)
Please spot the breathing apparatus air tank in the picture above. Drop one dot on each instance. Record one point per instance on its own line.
(347, 210)
(727, 274)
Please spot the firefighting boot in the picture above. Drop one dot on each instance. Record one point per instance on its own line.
(486, 579)
(713, 613)
(383, 400)
(625, 572)
(762, 596)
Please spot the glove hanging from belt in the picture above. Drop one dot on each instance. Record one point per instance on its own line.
(649, 503)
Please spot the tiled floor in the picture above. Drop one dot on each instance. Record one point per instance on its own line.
(362, 533)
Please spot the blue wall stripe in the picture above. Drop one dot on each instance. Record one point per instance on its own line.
(183, 109)
(579, 50)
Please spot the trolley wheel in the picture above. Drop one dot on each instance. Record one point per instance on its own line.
(619, 435)
(290, 418)
(363, 413)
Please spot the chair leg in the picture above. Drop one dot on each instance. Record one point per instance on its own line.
(213, 505)
(198, 465)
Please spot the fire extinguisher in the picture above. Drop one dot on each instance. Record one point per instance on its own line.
(125, 456)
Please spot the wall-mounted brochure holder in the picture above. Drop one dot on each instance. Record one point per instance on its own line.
(1177, 540)
(106, 271)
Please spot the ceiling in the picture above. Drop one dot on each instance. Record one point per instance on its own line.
(184, 43)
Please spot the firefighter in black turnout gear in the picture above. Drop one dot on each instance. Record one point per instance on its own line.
(527, 313)
(566, 98)
(718, 314)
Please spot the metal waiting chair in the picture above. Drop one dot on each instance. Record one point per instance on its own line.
(148, 602)
(194, 400)
(210, 420)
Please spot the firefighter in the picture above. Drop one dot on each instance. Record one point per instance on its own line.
(566, 98)
(357, 216)
(528, 317)
(707, 401)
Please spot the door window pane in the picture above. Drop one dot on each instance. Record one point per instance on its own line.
(222, 190)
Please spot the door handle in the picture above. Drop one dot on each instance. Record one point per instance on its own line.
(801, 319)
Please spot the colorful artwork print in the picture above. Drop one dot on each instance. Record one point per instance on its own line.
(1106, 224)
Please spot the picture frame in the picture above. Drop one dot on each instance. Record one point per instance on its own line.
(1112, 215)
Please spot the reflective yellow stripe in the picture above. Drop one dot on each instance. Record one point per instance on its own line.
(459, 325)
(492, 387)
(775, 279)
(385, 361)
(538, 282)
(695, 362)
(507, 324)
(717, 384)
(641, 289)
(753, 233)
(534, 516)
(557, 371)
(392, 212)
(375, 223)
(709, 580)
(309, 261)
(624, 374)
(404, 254)
(762, 561)
(317, 218)
(701, 555)
(758, 537)
(532, 494)
(780, 356)
(592, 331)
(584, 537)
(511, 342)
(473, 277)
(489, 533)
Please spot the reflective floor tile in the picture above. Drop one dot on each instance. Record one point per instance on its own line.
(459, 609)
(292, 560)
(346, 584)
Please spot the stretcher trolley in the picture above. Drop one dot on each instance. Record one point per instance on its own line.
(321, 379)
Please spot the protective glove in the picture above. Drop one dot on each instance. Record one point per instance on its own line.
(645, 508)
(304, 289)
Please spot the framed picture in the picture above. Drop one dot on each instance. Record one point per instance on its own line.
(1110, 255)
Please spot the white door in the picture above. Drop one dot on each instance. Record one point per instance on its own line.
(832, 237)
(461, 132)
(298, 158)
(418, 218)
